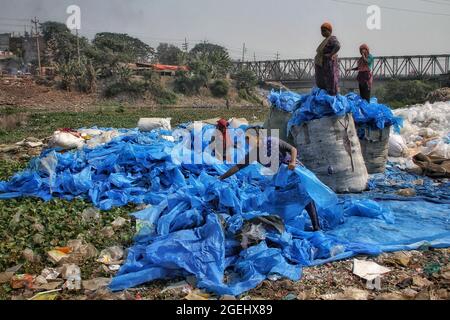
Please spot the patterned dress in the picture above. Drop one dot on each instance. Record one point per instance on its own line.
(327, 69)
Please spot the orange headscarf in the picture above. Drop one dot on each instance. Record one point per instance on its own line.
(327, 26)
(364, 46)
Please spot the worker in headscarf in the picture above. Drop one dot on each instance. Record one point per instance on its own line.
(364, 68)
(287, 155)
(223, 140)
(326, 62)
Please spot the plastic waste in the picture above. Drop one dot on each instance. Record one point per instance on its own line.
(397, 146)
(368, 270)
(149, 124)
(192, 220)
(66, 140)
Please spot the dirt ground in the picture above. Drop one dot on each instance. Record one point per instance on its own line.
(26, 94)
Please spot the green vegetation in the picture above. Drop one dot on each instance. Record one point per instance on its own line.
(246, 82)
(398, 94)
(41, 125)
(169, 54)
(126, 48)
(219, 88)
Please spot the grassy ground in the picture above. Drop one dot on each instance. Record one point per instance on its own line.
(43, 124)
(19, 218)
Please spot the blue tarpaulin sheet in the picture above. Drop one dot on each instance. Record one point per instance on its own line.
(319, 104)
(193, 222)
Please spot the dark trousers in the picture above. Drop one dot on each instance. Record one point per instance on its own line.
(364, 91)
(312, 212)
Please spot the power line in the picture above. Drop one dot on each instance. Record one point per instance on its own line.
(436, 2)
(392, 8)
(13, 19)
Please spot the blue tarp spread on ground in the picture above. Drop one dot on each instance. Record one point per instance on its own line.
(319, 104)
(195, 224)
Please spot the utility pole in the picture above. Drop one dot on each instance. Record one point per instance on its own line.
(243, 52)
(185, 46)
(78, 47)
(277, 57)
(254, 57)
(36, 21)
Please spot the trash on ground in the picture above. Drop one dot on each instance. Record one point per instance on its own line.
(368, 270)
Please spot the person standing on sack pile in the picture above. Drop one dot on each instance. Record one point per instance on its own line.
(287, 155)
(364, 68)
(326, 61)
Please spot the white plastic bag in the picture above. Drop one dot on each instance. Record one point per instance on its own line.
(66, 140)
(397, 146)
(149, 124)
(237, 122)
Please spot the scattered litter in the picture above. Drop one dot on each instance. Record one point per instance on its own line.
(348, 294)
(72, 274)
(90, 214)
(182, 286)
(197, 295)
(50, 274)
(118, 223)
(95, 284)
(30, 256)
(22, 281)
(368, 270)
(50, 285)
(5, 277)
(57, 255)
(402, 258)
(111, 256)
(107, 232)
(47, 295)
(290, 296)
(420, 282)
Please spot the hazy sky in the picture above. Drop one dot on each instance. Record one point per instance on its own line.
(291, 27)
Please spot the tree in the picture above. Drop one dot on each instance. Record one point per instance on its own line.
(168, 54)
(61, 44)
(246, 80)
(125, 47)
(214, 57)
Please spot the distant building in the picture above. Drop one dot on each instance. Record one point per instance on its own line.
(4, 41)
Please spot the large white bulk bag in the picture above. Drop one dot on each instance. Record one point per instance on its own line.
(149, 124)
(330, 148)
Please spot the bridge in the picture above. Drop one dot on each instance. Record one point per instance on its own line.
(299, 73)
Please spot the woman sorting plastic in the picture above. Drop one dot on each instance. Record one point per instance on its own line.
(364, 68)
(287, 154)
(326, 62)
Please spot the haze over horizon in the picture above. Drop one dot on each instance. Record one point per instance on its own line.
(289, 27)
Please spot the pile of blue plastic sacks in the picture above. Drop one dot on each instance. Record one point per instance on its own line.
(244, 229)
(319, 104)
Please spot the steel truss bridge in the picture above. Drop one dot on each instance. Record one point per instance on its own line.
(385, 68)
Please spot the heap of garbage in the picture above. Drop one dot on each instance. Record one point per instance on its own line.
(426, 133)
(232, 234)
(319, 104)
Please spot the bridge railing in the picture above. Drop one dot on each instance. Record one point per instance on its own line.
(385, 67)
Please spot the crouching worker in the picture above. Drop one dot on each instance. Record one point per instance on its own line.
(287, 155)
